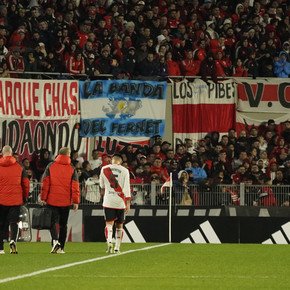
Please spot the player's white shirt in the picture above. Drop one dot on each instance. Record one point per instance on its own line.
(111, 197)
(95, 163)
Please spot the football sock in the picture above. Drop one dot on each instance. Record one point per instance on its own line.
(109, 233)
(119, 236)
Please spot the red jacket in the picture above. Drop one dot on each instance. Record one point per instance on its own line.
(75, 66)
(161, 171)
(240, 71)
(221, 66)
(267, 197)
(14, 184)
(173, 68)
(60, 185)
(190, 67)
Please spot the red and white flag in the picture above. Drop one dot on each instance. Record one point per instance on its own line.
(200, 108)
(257, 99)
(167, 183)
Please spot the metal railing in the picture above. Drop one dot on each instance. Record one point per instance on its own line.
(194, 195)
(66, 75)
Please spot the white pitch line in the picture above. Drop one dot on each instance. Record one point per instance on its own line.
(221, 277)
(9, 279)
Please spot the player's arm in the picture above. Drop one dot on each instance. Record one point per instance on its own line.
(102, 191)
(102, 183)
(127, 191)
(25, 184)
(45, 185)
(75, 189)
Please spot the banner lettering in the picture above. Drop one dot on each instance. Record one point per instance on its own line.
(36, 114)
(122, 108)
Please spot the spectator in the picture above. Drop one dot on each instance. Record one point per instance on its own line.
(42, 162)
(146, 174)
(88, 49)
(88, 172)
(76, 63)
(243, 50)
(223, 68)
(252, 65)
(207, 68)
(116, 70)
(240, 175)
(17, 38)
(223, 164)
(15, 61)
(129, 61)
(172, 66)
(286, 131)
(33, 20)
(182, 189)
(76, 160)
(243, 155)
(190, 66)
(198, 173)
(239, 69)
(103, 63)
(129, 153)
(148, 67)
(30, 63)
(266, 196)
(90, 66)
(159, 170)
(82, 33)
(281, 65)
(279, 178)
(163, 69)
(3, 49)
(96, 160)
(211, 29)
(4, 69)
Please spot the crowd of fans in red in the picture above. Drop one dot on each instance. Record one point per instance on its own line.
(259, 155)
(146, 38)
(155, 39)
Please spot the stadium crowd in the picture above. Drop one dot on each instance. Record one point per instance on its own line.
(145, 38)
(257, 156)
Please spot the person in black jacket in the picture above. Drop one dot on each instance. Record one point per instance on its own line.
(129, 62)
(148, 67)
(163, 71)
(208, 68)
(104, 62)
(90, 66)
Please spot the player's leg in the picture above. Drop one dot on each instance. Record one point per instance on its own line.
(3, 222)
(53, 229)
(110, 216)
(119, 229)
(63, 218)
(13, 219)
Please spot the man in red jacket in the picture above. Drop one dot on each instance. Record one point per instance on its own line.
(14, 189)
(60, 189)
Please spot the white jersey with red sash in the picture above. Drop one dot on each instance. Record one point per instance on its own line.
(115, 180)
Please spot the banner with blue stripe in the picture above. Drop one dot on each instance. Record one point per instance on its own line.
(122, 108)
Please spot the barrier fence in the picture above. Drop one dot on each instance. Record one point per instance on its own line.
(194, 195)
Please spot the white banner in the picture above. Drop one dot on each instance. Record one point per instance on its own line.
(36, 114)
(263, 96)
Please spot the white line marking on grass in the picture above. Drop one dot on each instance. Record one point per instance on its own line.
(221, 277)
(9, 279)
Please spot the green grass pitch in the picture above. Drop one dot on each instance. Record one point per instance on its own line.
(174, 266)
